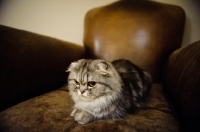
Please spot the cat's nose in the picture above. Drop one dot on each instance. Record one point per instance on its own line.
(82, 91)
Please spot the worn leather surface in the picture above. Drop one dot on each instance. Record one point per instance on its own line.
(51, 113)
(144, 32)
(31, 64)
(182, 83)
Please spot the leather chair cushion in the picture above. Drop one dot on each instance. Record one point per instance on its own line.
(51, 112)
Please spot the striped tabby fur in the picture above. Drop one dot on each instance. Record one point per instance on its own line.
(104, 90)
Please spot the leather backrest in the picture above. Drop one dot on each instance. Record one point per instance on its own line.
(144, 32)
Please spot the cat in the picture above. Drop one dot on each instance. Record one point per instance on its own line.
(104, 90)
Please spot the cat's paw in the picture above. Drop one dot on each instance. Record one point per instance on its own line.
(82, 117)
(73, 113)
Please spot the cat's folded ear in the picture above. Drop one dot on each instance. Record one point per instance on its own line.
(102, 68)
(71, 66)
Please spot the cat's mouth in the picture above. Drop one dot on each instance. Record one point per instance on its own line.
(86, 97)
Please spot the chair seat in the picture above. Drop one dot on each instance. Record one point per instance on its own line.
(51, 112)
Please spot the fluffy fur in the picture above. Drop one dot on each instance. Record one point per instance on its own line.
(104, 90)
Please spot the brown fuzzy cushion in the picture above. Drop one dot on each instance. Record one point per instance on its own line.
(50, 112)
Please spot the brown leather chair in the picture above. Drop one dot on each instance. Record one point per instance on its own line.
(144, 32)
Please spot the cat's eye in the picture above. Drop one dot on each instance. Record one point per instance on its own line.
(91, 84)
(76, 82)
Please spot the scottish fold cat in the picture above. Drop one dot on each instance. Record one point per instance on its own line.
(104, 90)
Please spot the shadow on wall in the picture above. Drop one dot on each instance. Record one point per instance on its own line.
(187, 32)
(192, 28)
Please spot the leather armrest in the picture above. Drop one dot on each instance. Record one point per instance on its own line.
(31, 64)
(182, 84)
